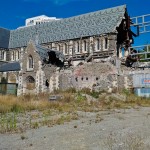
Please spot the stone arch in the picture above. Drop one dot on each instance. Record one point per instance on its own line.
(30, 83)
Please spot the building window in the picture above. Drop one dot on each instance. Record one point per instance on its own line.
(85, 46)
(47, 83)
(65, 48)
(106, 43)
(3, 55)
(98, 44)
(17, 55)
(13, 55)
(30, 62)
(76, 79)
(59, 48)
(78, 47)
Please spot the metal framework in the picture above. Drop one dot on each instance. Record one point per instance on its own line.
(142, 22)
(142, 50)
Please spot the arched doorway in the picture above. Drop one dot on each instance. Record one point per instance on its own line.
(30, 83)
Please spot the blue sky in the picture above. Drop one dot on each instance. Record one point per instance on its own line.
(14, 12)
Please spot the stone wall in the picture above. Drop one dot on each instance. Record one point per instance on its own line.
(96, 76)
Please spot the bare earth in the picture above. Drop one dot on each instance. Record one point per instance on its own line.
(104, 130)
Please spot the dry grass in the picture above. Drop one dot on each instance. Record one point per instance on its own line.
(20, 104)
(109, 102)
(34, 108)
(70, 102)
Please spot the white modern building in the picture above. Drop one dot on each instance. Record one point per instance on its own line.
(39, 20)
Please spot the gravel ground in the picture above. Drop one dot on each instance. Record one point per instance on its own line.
(105, 130)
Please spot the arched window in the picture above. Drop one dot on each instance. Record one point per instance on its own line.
(59, 47)
(98, 44)
(3, 55)
(17, 55)
(78, 47)
(47, 83)
(65, 48)
(106, 43)
(13, 55)
(85, 45)
(30, 62)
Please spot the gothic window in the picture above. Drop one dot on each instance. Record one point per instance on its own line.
(106, 43)
(59, 47)
(3, 55)
(85, 46)
(47, 83)
(98, 44)
(13, 55)
(30, 62)
(65, 48)
(78, 47)
(17, 54)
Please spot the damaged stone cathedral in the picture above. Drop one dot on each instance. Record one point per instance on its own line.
(72, 52)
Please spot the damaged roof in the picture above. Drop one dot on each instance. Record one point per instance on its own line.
(94, 23)
(43, 53)
(11, 66)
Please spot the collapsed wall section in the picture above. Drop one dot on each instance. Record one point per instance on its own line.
(95, 76)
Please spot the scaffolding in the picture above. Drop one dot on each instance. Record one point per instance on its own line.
(143, 51)
(142, 23)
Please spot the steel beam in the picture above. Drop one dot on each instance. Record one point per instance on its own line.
(143, 22)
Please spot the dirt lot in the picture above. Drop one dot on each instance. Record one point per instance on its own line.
(119, 129)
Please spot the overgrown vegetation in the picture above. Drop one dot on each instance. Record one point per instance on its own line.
(32, 111)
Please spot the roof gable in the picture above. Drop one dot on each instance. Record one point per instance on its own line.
(95, 23)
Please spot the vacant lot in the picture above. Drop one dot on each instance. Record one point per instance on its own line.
(127, 129)
(79, 121)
